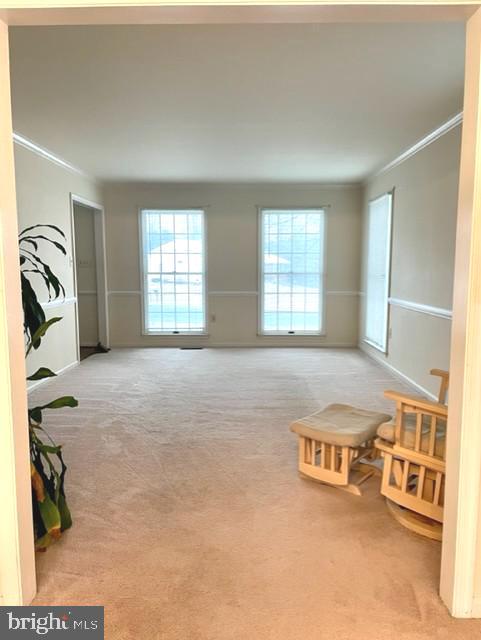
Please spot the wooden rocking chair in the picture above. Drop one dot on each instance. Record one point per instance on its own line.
(414, 451)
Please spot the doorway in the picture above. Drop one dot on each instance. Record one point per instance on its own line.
(465, 413)
(89, 277)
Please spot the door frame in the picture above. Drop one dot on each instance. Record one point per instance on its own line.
(462, 544)
(17, 556)
(101, 269)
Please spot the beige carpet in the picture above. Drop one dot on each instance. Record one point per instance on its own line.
(191, 522)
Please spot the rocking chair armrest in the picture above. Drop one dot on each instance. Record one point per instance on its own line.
(441, 373)
(418, 402)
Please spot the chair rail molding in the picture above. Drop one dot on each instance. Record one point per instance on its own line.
(343, 293)
(427, 309)
(59, 303)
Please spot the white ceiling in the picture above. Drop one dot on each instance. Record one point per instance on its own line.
(283, 102)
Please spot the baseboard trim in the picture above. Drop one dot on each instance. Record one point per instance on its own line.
(396, 372)
(241, 345)
(281, 345)
(37, 383)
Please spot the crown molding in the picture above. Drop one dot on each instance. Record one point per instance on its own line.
(405, 155)
(22, 141)
(419, 145)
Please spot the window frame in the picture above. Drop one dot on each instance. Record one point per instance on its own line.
(384, 347)
(143, 272)
(260, 271)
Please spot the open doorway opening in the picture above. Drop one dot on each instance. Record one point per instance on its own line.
(90, 277)
(474, 511)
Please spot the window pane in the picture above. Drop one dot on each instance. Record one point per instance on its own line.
(299, 223)
(195, 262)
(271, 283)
(299, 243)
(313, 262)
(378, 265)
(292, 259)
(284, 244)
(173, 254)
(299, 263)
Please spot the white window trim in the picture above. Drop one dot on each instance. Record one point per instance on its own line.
(260, 272)
(384, 347)
(142, 261)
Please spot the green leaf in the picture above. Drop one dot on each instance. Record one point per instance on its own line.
(42, 373)
(65, 516)
(43, 226)
(36, 269)
(46, 510)
(51, 277)
(50, 514)
(33, 312)
(41, 544)
(42, 330)
(46, 448)
(54, 281)
(64, 401)
(32, 239)
(35, 414)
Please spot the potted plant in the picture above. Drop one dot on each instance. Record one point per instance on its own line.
(51, 514)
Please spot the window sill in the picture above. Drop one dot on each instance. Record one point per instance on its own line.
(181, 334)
(317, 334)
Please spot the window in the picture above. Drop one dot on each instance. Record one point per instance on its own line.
(292, 271)
(173, 271)
(378, 271)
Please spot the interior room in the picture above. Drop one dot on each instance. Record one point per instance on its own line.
(255, 221)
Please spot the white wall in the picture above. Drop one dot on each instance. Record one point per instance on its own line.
(43, 196)
(232, 250)
(423, 243)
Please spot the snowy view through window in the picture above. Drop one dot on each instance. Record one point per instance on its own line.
(174, 287)
(292, 270)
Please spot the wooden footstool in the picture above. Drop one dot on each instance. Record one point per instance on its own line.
(337, 442)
